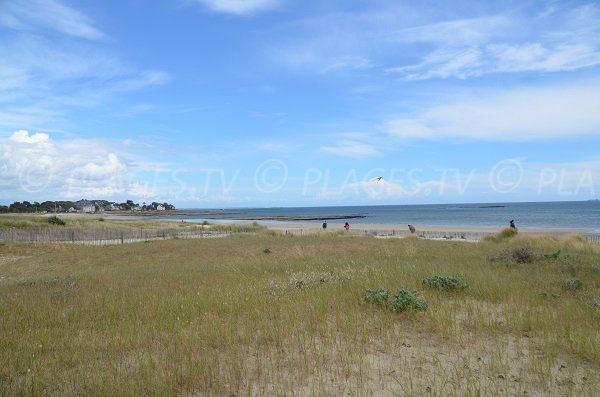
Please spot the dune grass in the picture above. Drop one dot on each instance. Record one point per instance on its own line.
(267, 314)
(37, 221)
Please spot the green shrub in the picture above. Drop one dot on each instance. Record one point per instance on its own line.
(524, 254)
(503, 235)
(405, 301)
(549, 295)
(267, 251)
(55, 220)
(447, 283)
(554, 255)
(378, 297)
(573, 284)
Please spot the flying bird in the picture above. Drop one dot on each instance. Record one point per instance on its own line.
(378, 179)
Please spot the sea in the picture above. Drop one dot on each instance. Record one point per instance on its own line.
(564, 215)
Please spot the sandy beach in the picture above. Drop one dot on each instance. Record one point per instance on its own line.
(388, 228)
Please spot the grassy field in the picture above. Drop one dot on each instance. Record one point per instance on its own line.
(266, 314)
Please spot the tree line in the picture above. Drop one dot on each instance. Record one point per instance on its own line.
(82, 206)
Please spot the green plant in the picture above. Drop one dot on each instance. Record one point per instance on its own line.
(573, 284)
(267, 251)
(378, 297)
(447, 283)
(524, 254)
(405, 301)
(553, 255)
(503, 235)
(548, 295)
(55, 220)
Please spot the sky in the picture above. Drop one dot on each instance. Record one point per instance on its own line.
(260, 103)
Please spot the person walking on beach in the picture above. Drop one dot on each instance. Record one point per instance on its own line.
(512, 224)
(412, 229)
(347, 226)
(324, 225)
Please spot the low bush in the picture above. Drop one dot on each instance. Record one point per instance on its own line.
(403, 301)
(378, 297)
(520, 254)
(55, 220)
(503, 235)
(446, 283)
(524, 254)
(573, 284)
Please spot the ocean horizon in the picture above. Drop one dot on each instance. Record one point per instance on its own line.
(568, 215)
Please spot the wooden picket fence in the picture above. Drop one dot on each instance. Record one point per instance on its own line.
(100, 236)
(93, 236)
(469, 236)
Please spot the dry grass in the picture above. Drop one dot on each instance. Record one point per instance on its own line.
(279, 315)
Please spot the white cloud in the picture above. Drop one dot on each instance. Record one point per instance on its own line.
(518, 115)
(444, 63)
(375, 189)
(44, 76)
(459, 31)
(349, 62)
(522, 180)
(33, 15)
(416, 44)
(34, 164)
(378, 190)
(141, 80)
(348, 148)
(22, 136)
(240, 7)
(557, 41)
(111, 165)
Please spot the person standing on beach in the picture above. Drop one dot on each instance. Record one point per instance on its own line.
(324, 225)
(512, 224)
(347, 226)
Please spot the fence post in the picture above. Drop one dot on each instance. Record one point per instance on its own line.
(122, 242)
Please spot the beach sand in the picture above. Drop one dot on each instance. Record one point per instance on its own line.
(403, 229)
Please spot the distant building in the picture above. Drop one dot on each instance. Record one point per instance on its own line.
(86, 206)
(160, 207)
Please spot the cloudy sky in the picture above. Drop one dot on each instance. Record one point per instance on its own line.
(225, 103)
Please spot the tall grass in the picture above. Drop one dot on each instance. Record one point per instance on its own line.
(226, 317)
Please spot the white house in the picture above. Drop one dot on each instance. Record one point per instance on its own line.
(86, 206)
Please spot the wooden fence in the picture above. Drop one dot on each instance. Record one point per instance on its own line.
(593, 238)
(112, 236)
(469, 236)
(100, 236)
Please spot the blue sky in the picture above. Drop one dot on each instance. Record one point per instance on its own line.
(225, 103)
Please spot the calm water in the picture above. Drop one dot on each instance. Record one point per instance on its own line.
(582, 215)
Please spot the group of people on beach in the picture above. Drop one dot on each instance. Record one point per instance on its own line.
(346, 226)
(412, 228)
